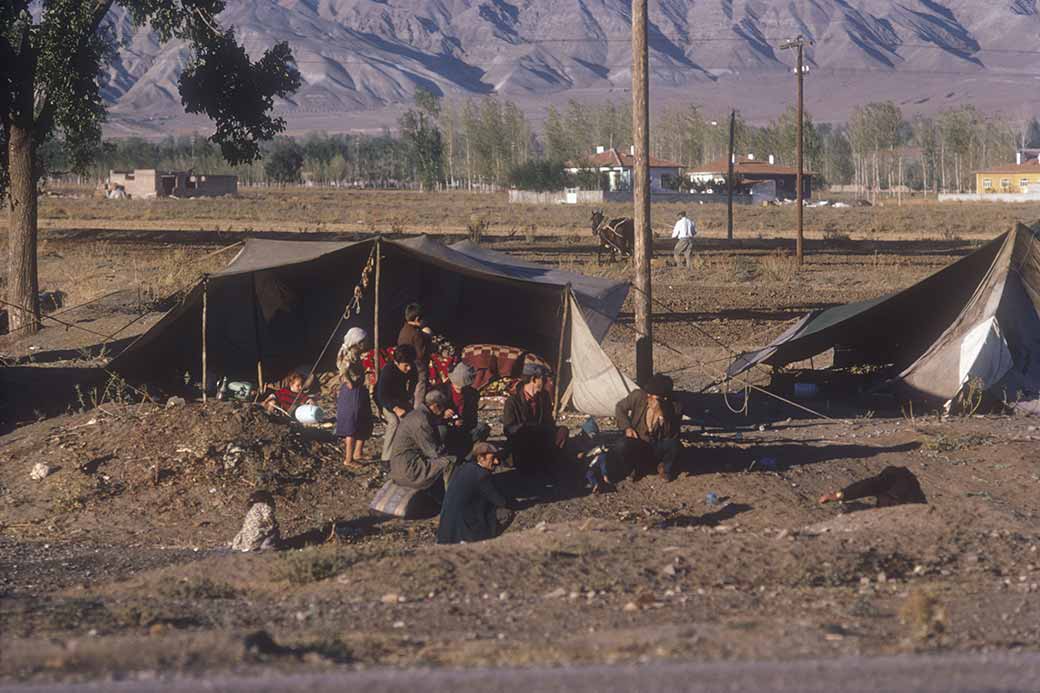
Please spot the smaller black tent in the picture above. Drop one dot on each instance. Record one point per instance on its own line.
(976, 319)
(277, 303)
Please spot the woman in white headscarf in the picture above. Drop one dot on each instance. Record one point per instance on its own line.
(355, 342)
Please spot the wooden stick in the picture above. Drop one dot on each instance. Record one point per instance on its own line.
(565, 313)
(375, 308)
(205, 310)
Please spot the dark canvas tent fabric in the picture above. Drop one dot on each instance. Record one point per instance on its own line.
(975, 319)
(277, 303)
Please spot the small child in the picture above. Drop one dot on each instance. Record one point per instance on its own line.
(606, 468)
(288, 398)
(260, 528)
(353, 415)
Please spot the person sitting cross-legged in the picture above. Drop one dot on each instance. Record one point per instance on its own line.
(529, 424)
(473, 509)
(652, 423)
(417, 456)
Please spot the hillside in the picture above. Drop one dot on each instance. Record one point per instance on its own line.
(365, 55)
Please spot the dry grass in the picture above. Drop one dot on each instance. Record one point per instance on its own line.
(780, 266)
(310, 210)
(88, 270)
(924, 614)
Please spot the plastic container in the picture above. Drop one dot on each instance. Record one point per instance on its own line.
(309, 414)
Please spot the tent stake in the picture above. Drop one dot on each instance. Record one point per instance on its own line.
(205, 310)
(565, 313)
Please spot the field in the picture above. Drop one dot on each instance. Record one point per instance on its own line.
(114, 564)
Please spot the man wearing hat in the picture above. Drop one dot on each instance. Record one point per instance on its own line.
(652, 423)
(529, 423)
(463, 429)
(473, 509)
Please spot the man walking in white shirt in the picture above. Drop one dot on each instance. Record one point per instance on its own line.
(684, 231)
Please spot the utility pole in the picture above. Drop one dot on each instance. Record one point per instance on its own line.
(800, 43)
(729, 176)
(644, 244)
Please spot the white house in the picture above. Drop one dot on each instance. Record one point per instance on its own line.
(617, 167)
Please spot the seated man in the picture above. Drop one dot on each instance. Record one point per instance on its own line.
(652, 423)
(473, 509)
(417, 456)
(528, 422)
(893, 486)
(462, 428)
(394, 392)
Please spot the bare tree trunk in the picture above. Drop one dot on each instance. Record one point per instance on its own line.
(942, 164)
(23, 282)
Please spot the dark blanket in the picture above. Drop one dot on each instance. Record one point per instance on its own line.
(468, 511)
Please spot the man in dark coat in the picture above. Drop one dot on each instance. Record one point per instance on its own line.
(394, 392)
(529, 424)
(415, 334)
(417, 457)
(652, 423)
(473, 509)
(893, 486)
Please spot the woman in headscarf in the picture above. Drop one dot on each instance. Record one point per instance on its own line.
(355, 343)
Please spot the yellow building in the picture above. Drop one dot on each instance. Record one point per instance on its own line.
(1020, 178)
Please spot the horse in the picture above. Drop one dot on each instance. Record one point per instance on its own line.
(616, 236)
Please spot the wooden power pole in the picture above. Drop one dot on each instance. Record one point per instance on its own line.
(729, 175)
(799, 44)
(644, 248)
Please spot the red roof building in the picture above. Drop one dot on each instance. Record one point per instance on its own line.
(617, 165)
(748, 169)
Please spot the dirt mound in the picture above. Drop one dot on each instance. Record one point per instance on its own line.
(180, 474)
(881, 521)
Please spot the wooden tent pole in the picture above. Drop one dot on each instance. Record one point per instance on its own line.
(205, 310)
(256, 336)
(375, 307)
(565, 313)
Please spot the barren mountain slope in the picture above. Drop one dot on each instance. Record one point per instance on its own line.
(362, 54)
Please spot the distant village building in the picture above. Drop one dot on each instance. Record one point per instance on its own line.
(616, 167)
(749, 171)
(1019, 178)
(148, 182)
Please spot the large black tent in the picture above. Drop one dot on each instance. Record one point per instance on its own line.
(976, 320)
(278, 303)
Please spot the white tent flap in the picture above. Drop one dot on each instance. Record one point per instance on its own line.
(597, 384)
(984, 354)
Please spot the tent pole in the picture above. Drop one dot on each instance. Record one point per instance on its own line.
(375, 308)
(565, 313)
(256, 336)
(205, 310)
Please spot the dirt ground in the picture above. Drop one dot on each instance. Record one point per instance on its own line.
(114, 565)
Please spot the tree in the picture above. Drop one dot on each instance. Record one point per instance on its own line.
(540, 176)
(1032, 134)
(419, 129)
(284, 163)
(51, 54)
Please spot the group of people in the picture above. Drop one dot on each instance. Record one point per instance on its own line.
(434, 440)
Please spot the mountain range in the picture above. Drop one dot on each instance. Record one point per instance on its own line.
(362, 60)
